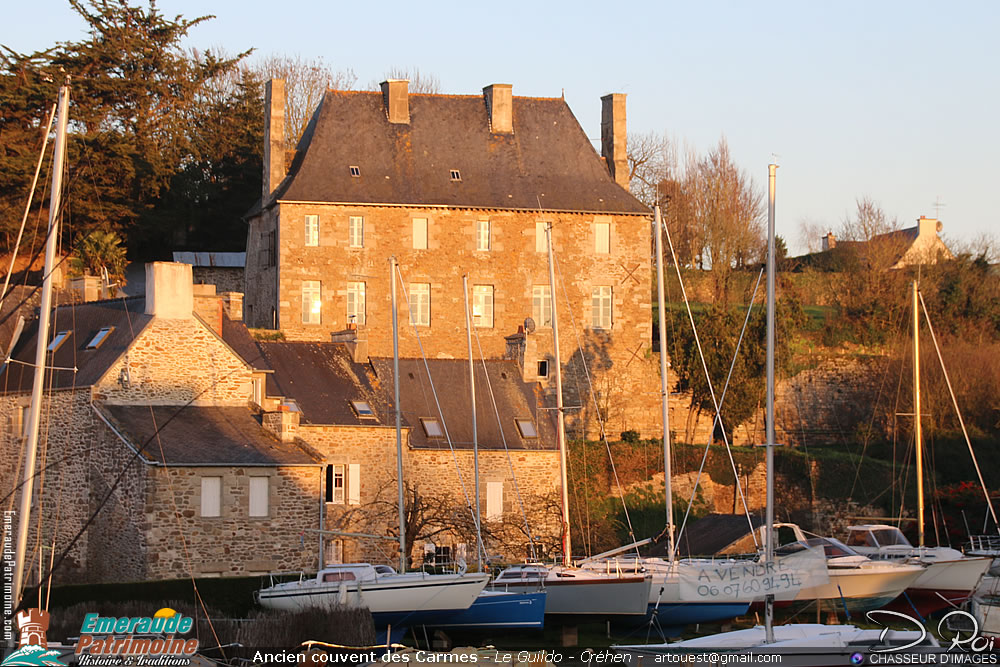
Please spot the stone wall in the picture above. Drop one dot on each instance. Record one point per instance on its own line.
(512, 267)
(61, 499)
(225, 279)
(435, 475)
(116, 541)
(181, 542)
(172, 362)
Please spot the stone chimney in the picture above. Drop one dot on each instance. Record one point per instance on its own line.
(169, 290)
(613, 137)
(829, 241)
(396, 98)
(232, 305)
(283, 423)
(500, 107)
(928, 226)
(274, 135)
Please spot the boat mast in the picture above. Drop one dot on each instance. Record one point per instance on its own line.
(475, 434)
(35, 412)
(399, 427)
(917, 434)
(665, 395)
(769, 542)
(560, 417)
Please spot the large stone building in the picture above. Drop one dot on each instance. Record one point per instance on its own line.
(455, 186)
(173, 444)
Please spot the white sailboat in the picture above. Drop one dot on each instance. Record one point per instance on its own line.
(570, 590)
(394, 598)
(766, 636)
(670, 610)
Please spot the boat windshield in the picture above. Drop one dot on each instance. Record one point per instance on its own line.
(832, 548)
(890, 536)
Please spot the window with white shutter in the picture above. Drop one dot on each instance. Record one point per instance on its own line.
(259, 487)
(211, 496)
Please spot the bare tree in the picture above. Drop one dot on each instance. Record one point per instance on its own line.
(728, 208)
(651, 161)
(811, 234)
(306, 81)
(419, 81)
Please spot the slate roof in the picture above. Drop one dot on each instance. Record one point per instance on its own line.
(323, 379)
(83, 321)
(547, 162)
(515, 400)
(203, 436)
(236, 335)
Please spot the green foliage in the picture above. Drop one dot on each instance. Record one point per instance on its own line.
(137, 112)
(631, 437)
(719, 329)
(96, 251)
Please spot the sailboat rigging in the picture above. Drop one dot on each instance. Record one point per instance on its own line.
(394, 598)
(35, 410)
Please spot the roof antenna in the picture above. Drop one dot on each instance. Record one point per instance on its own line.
(938, 205)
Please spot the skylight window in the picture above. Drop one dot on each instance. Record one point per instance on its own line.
(527, 428)
(355, 171)
(99, 338)
(456, 175)
(363, 409)
(432, 428)
(58, 340)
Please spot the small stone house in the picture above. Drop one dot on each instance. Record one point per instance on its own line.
(173, 444)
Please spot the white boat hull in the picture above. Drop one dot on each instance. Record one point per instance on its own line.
(862, 588)
(391, 594)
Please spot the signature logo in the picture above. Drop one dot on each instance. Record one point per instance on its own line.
(971, 641)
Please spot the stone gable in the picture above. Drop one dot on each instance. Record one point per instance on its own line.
(173, 362)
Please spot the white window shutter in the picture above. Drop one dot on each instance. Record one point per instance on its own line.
(354, 484)
(211, 496)
(494, 501)
(258, 496)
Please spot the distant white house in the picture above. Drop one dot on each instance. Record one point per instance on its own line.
(914, 245)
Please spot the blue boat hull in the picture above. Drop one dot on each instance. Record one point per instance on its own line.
(499, 610)
(670, 618)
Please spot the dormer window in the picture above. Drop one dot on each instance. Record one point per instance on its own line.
(456, 175)
(58, 340)
(355, 171)
(96, 341)
(363, 409)
(432, 427)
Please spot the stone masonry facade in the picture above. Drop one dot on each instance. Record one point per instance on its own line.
(441, 477)
(173, 362)
(618, 360)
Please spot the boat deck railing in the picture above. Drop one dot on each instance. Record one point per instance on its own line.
(985, 543)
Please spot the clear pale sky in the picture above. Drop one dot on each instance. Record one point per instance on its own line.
(895, 100)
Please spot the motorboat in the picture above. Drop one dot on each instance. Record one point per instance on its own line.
(949, 578)
(856, 582)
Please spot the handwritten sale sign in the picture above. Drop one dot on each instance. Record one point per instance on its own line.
(741, 581)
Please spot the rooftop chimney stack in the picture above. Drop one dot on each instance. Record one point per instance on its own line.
(169, 290)
(274, 135)
(396, 97)
(500, 107)
(613, 137)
